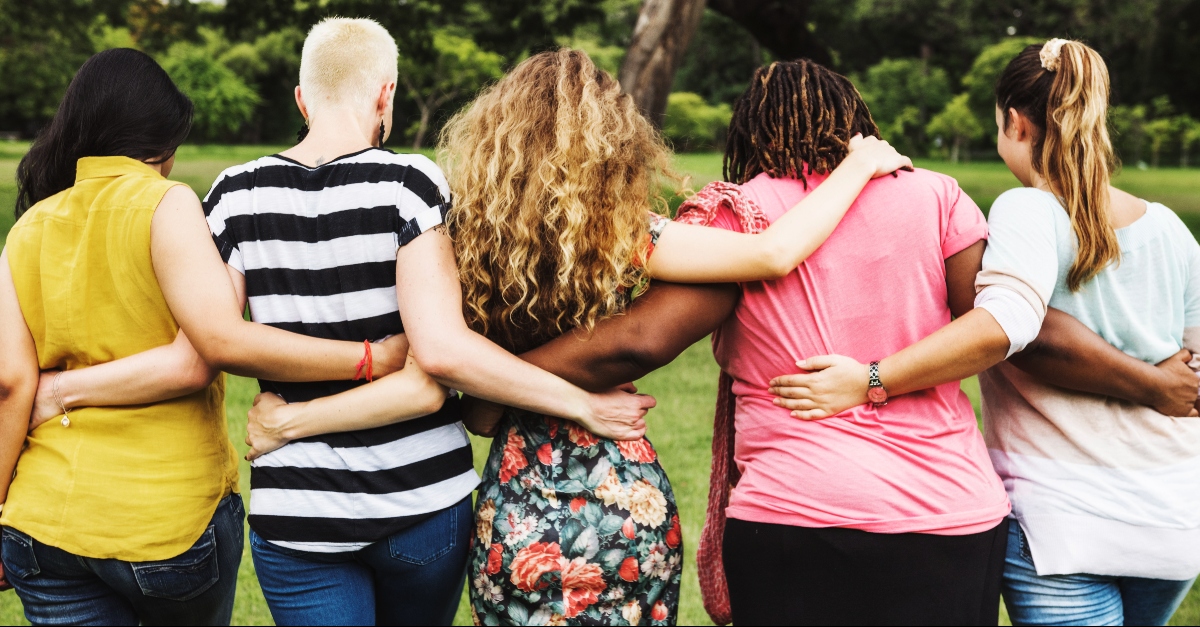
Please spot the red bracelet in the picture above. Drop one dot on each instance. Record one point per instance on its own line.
(367, 363)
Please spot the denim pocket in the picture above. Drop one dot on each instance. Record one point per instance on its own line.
(427, 541)
(184, 577)
(19, 559)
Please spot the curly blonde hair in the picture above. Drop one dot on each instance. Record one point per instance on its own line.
(553, 171)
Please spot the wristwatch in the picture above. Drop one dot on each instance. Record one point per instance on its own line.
(876, 393)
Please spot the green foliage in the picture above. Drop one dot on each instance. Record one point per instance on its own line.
(956, 124)
(224, 102)
(902, 93)
(459, 68)
(720, 60)
(980, 80)
(693, 124)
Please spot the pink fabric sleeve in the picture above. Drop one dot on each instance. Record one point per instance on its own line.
(725, 219)
(965, 223)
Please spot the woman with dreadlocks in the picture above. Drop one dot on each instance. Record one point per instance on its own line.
(670, 317)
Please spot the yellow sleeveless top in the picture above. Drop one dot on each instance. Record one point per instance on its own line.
(135, 483)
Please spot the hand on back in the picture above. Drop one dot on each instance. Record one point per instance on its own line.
(1179, 388)
(832, 385)
(619, 413)
(878, 155)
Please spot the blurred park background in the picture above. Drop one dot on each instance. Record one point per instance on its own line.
(926, 68)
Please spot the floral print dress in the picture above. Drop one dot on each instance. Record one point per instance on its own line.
(572, 528)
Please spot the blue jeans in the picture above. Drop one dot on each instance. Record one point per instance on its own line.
(414, 577)
(1082, 599)
(194, 588)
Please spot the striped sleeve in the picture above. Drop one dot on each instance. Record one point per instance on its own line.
(217, 212)
(423, 198)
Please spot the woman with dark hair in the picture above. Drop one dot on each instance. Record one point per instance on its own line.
(1105, 525)
(912, 543)
(126, 511)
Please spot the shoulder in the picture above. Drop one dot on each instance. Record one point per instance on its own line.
(1173, 225)
(238, 177)
(1025, 203)
(416, 172)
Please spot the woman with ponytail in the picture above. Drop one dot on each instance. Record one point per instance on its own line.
(1103, 490)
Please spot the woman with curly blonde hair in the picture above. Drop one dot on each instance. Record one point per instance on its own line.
(554, 174)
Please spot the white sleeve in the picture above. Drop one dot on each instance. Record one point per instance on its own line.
(1016, 315)
(1020, 265)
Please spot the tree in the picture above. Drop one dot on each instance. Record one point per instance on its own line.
(896, 88)
(691, 123)
(660, 39)
(224, 102)
(460, 67)
(1127, 126)
(720, 60)
(980, 81)
(957, 123)
(1189, 136)
(784, 28)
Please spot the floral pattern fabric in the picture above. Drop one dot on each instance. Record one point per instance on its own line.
(572, 528)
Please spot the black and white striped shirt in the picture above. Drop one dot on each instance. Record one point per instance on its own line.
(318, 249)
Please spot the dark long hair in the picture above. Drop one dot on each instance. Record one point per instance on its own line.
(794, 115)
(120, 103)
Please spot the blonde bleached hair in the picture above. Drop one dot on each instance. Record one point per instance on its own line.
(345, 61)
(554, 172)
(1062, 87)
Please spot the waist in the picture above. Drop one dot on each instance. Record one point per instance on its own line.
(866, 470)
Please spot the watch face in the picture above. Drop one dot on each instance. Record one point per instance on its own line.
(877, 395)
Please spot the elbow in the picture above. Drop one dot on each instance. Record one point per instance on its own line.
(646, 355)
(442, 363)
(777, 262)
(433, 396)
(196, 375)
(17, 381)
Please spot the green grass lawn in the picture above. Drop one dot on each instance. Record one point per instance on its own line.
(686, 390)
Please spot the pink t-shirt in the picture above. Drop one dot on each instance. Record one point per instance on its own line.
(875, 287)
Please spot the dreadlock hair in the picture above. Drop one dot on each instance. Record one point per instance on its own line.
(795, 115)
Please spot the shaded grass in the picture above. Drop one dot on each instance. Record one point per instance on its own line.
(686, 390)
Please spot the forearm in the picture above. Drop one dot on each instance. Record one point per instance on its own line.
(660, 325)
(151, 376)
(1070, 355)
(468, 362)
(259, 351)
(961, 349)
(398, 397)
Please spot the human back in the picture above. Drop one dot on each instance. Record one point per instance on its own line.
(877, 285)
(80, 260)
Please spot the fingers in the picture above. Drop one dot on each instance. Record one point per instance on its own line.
(791, 381)
(796, 403)
(1193, 413)
(647, 402)
(812, 414)
(628, 387)
(820, 362)
(258, 398)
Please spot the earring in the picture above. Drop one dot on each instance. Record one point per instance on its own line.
(302, 133)
(381, 133)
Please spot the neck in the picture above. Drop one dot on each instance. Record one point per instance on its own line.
(335, 132)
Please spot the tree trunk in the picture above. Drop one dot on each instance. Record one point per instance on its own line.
(954, 148)
(661, 37)
(422, 128)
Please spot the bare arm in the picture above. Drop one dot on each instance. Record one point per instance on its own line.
(1070, 355)
(659, 326)
(199, 292)
(430, 299)
(696, 254)
(18, 377)
(399, 396)
(1066, 354)
(152, 376)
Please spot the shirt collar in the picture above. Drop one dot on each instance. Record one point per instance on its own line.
(107, 167)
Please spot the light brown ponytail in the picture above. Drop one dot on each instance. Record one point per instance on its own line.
(1066, 95)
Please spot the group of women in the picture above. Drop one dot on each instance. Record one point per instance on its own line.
(537, 276)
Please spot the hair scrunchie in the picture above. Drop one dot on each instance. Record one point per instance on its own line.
(1050, 54)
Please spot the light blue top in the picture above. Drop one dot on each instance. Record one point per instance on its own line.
(1140, 304)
